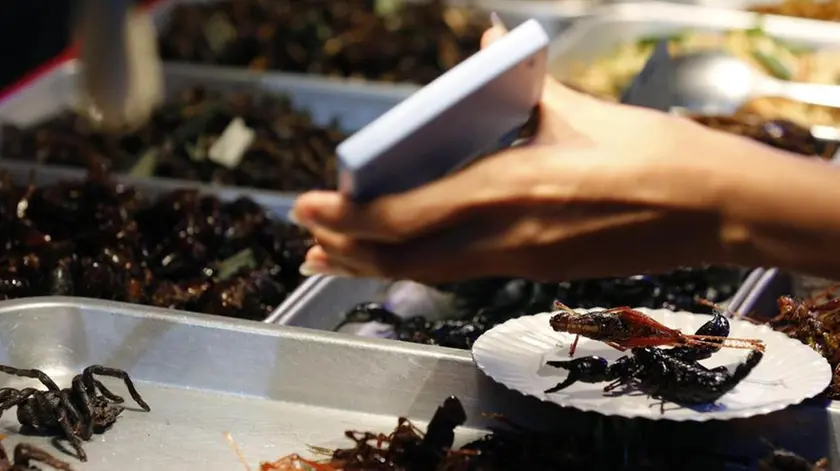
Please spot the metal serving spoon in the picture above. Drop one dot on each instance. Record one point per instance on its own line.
(716, 82)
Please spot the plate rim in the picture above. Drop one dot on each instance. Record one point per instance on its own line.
(696, 417)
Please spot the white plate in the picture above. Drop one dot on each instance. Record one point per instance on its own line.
(514, 354)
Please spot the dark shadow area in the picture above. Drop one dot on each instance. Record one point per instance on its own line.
(31, 32)
(616, 443)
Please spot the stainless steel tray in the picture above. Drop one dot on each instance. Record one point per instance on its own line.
(276, 205)
(322, 301)
(354, 104)
(278, 389)
(554, 15)
(731, 4)
(611, 25)
(319, 302)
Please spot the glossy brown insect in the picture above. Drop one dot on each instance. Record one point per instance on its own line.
(25, 457)
(623, 328)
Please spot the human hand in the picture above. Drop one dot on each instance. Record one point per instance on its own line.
(602, 189)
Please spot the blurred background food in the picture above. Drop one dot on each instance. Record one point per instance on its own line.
(97, 238)
(289, 152)
(827, 10)
(779, 133)
(389, 41)
(608, 76)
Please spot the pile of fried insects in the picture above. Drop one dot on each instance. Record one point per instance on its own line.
(98, 238)
(815, 322)
(508, 447)
(374, 40)
(290, 151)
(479, 305)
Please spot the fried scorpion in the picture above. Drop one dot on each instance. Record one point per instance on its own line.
(671, 375)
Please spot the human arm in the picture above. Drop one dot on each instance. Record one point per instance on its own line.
(783, 210)
(603, 189)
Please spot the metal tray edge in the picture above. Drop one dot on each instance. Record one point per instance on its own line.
(299, 295)
(744, 291)
(665, 11)
(226, 323)
(314, 291)
(315, 288)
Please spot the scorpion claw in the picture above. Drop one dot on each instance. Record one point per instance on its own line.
(592, 369)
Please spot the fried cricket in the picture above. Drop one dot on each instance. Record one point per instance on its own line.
(624, 328)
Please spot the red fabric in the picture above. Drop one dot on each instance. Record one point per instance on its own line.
(51, 64)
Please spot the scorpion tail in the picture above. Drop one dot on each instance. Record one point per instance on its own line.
(744, 369)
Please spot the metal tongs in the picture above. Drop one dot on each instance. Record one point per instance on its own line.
(122, 76)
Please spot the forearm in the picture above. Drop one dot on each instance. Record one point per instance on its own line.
(782, 210)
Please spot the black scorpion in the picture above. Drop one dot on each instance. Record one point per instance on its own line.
(671, 375)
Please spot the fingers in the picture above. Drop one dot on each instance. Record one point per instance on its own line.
(495, 32)
(415, 213)
(445, 257)
(388, 219)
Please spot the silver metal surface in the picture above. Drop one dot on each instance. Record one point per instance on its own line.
(762, 297)
(610, 25)
(322, 301)
(773, 283)
(275, 389)
(276, 205)
(352, 103)
(278, 389)
(731, 4)
(719, 83)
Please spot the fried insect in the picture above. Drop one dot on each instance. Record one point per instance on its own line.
(507, 446)
(407, 447)
(479, 305)
(813, 321)
(290, 152)
(623, 328)
(414, 42)
(661, 375)
(25, 457)
(672, 375)
(75, 413)
(184, 250)
(813, 9)
(786, 460)
(779, 133)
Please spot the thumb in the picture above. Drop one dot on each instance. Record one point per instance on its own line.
(552, 87)
(495, 32)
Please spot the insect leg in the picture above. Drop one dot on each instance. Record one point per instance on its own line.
(574, 346)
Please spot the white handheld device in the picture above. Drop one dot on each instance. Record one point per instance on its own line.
(473, 109)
